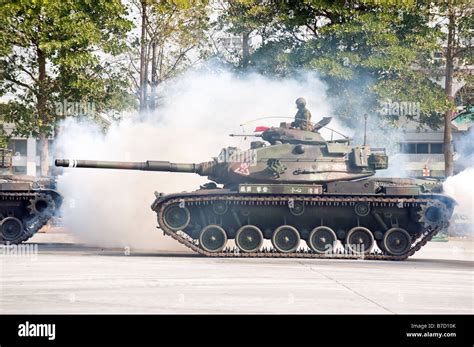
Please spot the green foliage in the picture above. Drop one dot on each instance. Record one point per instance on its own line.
(75, 42)
(3, 135)
(177, 28)
(242, 16)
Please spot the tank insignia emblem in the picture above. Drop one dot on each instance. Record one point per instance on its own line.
(276, 167)
(243, 169)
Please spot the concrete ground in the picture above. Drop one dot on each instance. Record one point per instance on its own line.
(64, 277)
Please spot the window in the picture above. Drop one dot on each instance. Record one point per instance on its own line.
(408, 147)
(422, 148)
(437, 148)
(17, 146)
(19, 169)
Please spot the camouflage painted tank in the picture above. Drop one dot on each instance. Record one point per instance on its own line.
(26, 203)
(294, 186)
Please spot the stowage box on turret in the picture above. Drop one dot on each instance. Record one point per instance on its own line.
(26, 203)
(294, 186)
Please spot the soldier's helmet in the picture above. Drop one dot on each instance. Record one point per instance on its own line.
(300, 102)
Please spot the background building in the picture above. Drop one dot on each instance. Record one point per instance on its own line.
(421, 152)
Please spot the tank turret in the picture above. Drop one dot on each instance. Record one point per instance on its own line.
(293, 185)
(293, 156)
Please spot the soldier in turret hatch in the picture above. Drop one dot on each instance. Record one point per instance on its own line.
(303, 116)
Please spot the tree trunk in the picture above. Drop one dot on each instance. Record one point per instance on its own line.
(143, 58)
(245, 49)
(145, 86)
(154, 75)
(448, 116)
(44, 155)
(41, 110)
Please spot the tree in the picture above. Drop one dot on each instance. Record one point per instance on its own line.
(458, 19)
(172, 38)
(52, 51)
(143, 55)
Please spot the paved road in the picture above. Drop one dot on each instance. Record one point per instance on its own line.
(68, 278)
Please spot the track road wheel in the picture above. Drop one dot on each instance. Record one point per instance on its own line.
(286, 239)
(249, 238)
(397, 241)
(11, 229)
(360, 240)
(322, 239)
(176, 217)
(213, 238)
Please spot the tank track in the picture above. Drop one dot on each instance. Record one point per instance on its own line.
(426, 234)
(32, 224)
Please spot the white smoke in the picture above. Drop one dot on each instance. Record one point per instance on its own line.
(460, 186)
(111, 208)
(461, 189)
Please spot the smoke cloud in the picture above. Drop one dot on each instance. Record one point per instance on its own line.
(461, 186)
(111, 208)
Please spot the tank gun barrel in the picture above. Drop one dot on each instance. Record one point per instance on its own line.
(149, 165)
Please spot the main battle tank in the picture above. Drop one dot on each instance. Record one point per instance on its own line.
(26, 203)
(293, 185)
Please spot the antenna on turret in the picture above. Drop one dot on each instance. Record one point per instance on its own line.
(365, 128)
(245, 135)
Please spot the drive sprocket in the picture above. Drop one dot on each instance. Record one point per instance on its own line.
(41, 204)
(434, 215)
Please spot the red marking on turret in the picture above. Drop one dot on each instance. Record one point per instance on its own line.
(261, 128)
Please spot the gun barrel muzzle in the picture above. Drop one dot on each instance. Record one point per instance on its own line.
(61, 162)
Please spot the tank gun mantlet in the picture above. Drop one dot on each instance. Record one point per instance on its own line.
(207, 168)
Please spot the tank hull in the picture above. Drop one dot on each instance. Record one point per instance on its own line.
(25, 207)
(361, 221)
